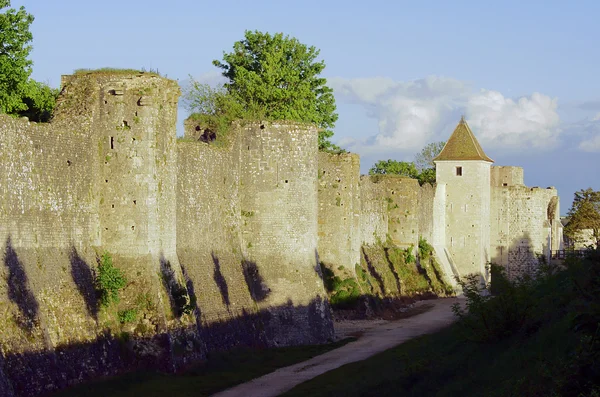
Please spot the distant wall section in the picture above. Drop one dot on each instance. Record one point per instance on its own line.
(339, 210)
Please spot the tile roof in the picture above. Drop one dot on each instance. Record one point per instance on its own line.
(462, 145)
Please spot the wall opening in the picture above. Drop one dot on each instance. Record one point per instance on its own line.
(68, 163)
(458, 171)
(134, 202)
(112, 142)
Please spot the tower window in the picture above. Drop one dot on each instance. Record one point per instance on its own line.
(458, 171)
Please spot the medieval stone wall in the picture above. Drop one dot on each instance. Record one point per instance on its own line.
(373, 211)
(220, 241)
(278, 172)
(339, 210)
(523, 221)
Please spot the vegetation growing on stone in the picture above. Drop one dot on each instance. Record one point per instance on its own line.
(269, 77)
(109, 280)
(127, 316)
(114, 71)
(343, 293)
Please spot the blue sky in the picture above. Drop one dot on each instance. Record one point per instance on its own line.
(524, 73)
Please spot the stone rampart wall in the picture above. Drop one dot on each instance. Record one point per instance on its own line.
(339, 210)
(521, 229)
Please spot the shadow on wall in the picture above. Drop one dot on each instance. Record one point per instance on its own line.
(83, 277)
(38, 373)
(177, 292)
(373, 272)
(19, 291)
(259, 291)
(220, 281)
(518, 258)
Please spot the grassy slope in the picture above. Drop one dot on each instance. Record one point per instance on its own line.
(221, 371)
(548, 354)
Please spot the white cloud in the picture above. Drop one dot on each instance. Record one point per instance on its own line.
(412, 114)
(590, 145)
(529, 122)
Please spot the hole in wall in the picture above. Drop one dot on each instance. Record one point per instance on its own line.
(106, 180)
(132, 227)
(68, 162)
(112, 142)
(286, 181)
(132, 139)
(134, 202)
(262, 126)
(113, 206)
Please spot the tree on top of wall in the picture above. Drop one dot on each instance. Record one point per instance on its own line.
(20, 95)
(272, 77)
(393, 167)
(423, 168)
(424, 161)
(584, 215)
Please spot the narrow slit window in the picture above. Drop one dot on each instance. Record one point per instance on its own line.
(112, 142)
(458, 171)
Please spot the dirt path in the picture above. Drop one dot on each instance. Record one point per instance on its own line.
(376, 338)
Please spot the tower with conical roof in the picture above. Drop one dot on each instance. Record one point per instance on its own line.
(463, 177)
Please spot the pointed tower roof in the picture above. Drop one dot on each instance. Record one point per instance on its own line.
(462, 145)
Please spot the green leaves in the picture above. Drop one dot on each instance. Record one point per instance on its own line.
(19, 94)
(273, 77)
(393, 167)
(584, 214)
(15, 68)
(109, 280)
(424, 159)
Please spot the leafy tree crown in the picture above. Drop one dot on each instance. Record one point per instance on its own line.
(278, 78)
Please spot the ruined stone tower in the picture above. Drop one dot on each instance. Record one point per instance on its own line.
(463, 172)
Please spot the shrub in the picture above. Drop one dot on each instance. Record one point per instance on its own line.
(342, 293)
(109, 280)
(409, 256)
(127, 316)
(489, 317)
(425, 249)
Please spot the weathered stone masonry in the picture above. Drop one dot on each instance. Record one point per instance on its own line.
(236, 225)
(240, 227)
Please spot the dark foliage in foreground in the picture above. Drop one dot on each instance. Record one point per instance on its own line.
(531, 338)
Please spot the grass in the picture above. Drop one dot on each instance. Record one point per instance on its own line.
(550, 349)
(221, 371)
(442, 364)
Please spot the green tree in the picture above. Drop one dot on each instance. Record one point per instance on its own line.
(424, 159)
(20, 95)
(15, 67)
(393, 167)
(584, 214)
(426, 176)
(278, 78)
